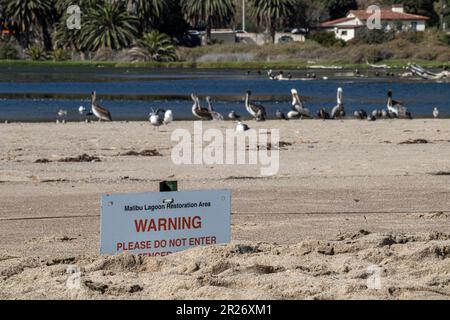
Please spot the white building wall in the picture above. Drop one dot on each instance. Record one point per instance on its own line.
(264, 38)
(348, 34)
(421, 26)
(295, 37)
(344, 34)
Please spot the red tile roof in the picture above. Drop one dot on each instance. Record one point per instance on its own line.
(385, 15)
(388, 15)
(333, 22)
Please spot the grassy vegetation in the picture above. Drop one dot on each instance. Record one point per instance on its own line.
(429, 49)
(276, 65)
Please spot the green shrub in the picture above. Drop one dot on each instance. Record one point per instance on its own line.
(154, 46)
(444, 39)
(327, 39)
(373, 55)
(8, 52)
(60, 55)
(426, 54)
(104, 54)
(36, 53)
(412, 36)
(375, 36)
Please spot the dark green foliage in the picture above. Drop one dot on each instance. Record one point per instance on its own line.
(327, 39)
(271, 13)
(376, 36)
(8, 51)
(339, 8)
(208, 13)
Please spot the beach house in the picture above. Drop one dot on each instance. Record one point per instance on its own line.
(394, 18)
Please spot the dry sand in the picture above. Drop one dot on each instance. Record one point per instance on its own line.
(349, 196)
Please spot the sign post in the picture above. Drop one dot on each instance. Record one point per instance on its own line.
(158, 224)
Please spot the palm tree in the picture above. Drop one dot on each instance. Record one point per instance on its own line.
(154, 46)
(61, 5)
(70, 39)
(271, 13)
(108, 25)
(29, 14)
(148, 11)
(209, 13)
(66, 38)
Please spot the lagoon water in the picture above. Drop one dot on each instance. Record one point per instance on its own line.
(36, 94)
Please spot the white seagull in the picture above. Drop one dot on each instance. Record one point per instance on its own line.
(62, 115)
(82, 112)
(280, 115)
(234, 116)
(242, 127)
(360, 114)
(160, 117)
(157, 117)
(436, 113)
(168, 117)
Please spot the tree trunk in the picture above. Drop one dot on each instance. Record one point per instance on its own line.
(272, 34)
(26, 43)
(24, 35)
(272, 30)
(208, 31)
(46, 37)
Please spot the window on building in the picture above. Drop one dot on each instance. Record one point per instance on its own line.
(414, 25)
(343, 32)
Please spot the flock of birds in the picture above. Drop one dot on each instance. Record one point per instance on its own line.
(159, 117)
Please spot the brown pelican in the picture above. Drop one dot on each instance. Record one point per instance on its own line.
(100, 112)
(396, 108)
(198, 111)
(242, 127)
(256, 111)
(215, 115)
(298, 105)
(436, 113)
(338, 110)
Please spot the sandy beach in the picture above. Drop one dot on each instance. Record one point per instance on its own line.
(350, 196)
